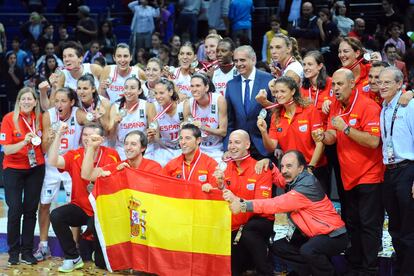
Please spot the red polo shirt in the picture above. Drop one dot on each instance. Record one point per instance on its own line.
(73, 165)
(245, 183)
(9, 135)
(296, 133)
(359, 164)
(201, 168)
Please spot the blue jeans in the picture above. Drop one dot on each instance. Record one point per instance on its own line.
(22, 189)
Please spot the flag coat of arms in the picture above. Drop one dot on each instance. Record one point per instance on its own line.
(161, 225)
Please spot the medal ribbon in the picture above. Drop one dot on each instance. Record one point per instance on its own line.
(162, 112)
(192, 169)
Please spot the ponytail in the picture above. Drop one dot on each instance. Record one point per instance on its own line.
(295, 49)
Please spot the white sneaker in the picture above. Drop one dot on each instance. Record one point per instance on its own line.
(70, 265)
(42, 253)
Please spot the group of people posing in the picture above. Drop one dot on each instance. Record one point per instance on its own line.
(223, 123)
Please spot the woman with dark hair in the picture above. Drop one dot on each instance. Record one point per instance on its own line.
(130, 112)
(13, 79)
(65, 110)
(170, 115)
(292, 123)
(51, 65)
(153, 72)
(107, 40)
(24, 171)
(327, 29)
(208, 110)
(97, 108)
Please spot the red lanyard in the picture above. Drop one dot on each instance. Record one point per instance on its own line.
(192, 169)
(316, 97)
(162, 112)
(352, 106)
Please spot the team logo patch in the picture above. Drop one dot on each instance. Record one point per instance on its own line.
(265, 194)
(374, 129)
(202, 178)
(331, 93)
(303, 128)
(178, 175)
(2, 136)
(365, 88)
(250, 186)
(279, 129)
(141, 113)
(352, 122)
(49, 192)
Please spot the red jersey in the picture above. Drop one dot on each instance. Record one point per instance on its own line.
(359, 164)
(145, 165)
(362, 80)
(375, 96)
(296, 133)
(245, 183)
(200, 170)
(73, 165)
(9, 135)
(317, 96)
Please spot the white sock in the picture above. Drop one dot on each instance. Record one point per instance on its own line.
(43, 243)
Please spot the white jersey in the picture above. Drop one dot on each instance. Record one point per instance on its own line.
(220, 79)
(183, 82)
(70, 140)
(148, 92)
(169, 127)
(72, 83)
(137, 120)
(116, 88)
(211, 144)
(297, 68)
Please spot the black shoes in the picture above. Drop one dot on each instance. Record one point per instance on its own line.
(28, 259)
(14, 259)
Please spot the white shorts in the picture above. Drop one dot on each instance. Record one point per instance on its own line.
(51, 185)
(162, 155)
(214, 153)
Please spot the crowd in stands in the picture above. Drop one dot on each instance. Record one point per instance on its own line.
(329, 96)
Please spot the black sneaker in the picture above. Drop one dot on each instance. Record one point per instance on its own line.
(14, 259)
(28, 259)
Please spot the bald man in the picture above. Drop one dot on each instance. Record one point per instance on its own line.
(353, 125)
(250, 232)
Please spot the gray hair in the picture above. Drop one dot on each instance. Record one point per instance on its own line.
(398, 75)
(248, 49)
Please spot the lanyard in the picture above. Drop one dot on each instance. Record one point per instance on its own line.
(194, 108)
(32, 130)
(352, 106)
(133, 107)
(289, 61)
(192, 169)
(394, 116)
(278, 104)
(237, 159)
(162, 112)
(316, 97)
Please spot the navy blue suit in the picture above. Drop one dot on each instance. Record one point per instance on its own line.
(237, 117)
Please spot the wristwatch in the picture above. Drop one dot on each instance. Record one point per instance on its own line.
(347, 130)
(243, 206)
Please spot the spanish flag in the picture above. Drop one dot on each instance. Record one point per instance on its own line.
(161, 225)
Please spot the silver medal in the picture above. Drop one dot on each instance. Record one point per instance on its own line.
(153, 125)
(55, 126)
(89, 116)
(123, 112)
(222, 166)
(109, 81)
(367, 56)
(89, 187)
(263, 114)
(36, 141)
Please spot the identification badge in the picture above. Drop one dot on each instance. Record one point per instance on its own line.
(32, 158)
(390, 152)
(291, 229)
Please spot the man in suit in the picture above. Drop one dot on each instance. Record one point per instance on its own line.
(242, 108)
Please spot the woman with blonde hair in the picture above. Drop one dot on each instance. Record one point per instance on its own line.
(24, 170)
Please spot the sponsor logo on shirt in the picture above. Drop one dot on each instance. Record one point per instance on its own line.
(2, 136)
(352, 122)
(202, 178)
(374, 129)
(279, 129)
(250, 186)
(303, 128)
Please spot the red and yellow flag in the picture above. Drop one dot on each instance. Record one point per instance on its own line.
(161, 225)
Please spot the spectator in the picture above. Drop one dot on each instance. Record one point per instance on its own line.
(387, 17)
(92, 53)
(24, 171)
(327, 29)
(268, 36)
(107, 40)
(175, 45)
(86, 29)
(33, 29)
(13, 78)
(241, 19)
(51, 66)
(164, 54)
(41, 62)
(305, 29)
(32, 78)
(63, 37)
(35, 51)
(217, 14)
(142, 25)
(3, 42)
(339, 17)
(359, 33)
(20, 54)
(156, 41)
(101, 61)
(188, 18)
(391, 56)
(47, 36)
(395, 30)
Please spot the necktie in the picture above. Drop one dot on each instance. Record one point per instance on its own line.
(247, 96)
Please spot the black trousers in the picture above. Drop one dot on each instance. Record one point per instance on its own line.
(22, 190)
(364, 224)
(324, 177)
(399, 204)
(62, 218)
(252, 249)
(311, 256)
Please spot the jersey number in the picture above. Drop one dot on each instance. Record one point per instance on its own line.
(173, 135)
(64, 143)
